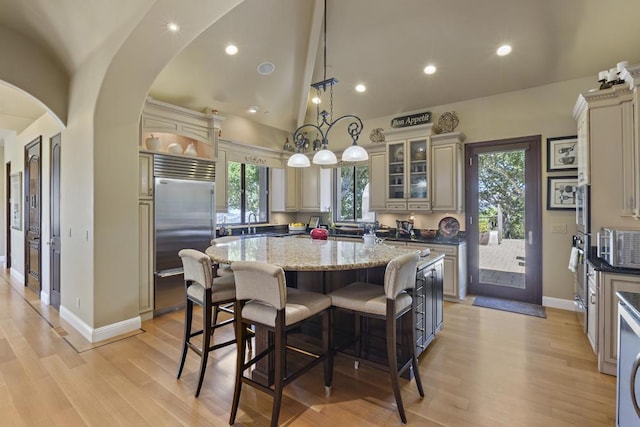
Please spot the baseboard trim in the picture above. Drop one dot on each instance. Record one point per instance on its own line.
(17, 275)
(562, 304)
(45, 297)
(102, 333)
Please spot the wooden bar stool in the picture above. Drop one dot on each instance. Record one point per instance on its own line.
(209, 293)
(262, 298)
(389, 303)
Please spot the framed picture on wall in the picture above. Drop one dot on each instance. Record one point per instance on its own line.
(561, 192)
(562, 154)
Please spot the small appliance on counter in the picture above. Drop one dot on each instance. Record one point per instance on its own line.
(619, 248)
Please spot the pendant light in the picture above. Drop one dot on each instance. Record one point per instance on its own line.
(325, 123)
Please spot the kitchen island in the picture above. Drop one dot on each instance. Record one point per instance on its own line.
(326, 265)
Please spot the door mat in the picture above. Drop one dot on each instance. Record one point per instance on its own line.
(512, 306)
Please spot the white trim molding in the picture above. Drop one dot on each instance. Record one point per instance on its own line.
(102, 333)
(562, 304)
(17, 275)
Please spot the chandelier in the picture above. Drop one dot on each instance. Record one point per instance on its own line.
(324, 124)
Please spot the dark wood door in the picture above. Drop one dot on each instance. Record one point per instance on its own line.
(504, 225)
(32, 188)
(54, 214)
(9, 197)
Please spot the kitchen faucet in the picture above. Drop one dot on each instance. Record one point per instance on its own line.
(255, 219)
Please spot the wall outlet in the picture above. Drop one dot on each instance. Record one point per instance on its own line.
(559, 228)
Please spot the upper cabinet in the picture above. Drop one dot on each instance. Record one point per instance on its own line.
(606, 159)
(174, 130)
(377, 179)
(284, 189)
(631, 160)
(447, 178)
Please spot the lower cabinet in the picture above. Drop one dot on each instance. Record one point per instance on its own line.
(428, 304)
(145, 261)
(611, 283)
(455, 270)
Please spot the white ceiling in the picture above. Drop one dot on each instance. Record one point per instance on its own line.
(383, 44)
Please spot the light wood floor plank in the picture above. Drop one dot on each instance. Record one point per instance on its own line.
(486, 368)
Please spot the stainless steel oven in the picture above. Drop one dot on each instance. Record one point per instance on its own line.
(581, 244)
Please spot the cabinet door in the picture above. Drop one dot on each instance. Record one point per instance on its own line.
(429, 326)
(450, 283)
(592, 308)
(284, 189)
(629, 207)
(438, 297)
(292, 178)
(583, 148)
(446, 170)
(221, 182)
(396, 170)
(608, 318)
(417, 165)
(315, 189)
(145, 180)
(145, 261)
(377, 184)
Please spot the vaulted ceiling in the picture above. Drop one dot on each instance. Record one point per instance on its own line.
(382, 44)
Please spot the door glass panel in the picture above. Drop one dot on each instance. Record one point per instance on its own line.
(396, 171)
(501, 218)
(418, 169)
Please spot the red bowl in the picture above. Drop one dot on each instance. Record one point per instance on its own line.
(319, 233)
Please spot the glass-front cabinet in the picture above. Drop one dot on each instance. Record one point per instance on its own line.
(407, 175)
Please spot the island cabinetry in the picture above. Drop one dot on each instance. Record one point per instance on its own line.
(608, 316)
(447, 172)
(428, 304)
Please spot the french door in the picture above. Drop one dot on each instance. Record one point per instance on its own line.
(504, 208)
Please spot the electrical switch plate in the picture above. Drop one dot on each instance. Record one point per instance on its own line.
(559, 228)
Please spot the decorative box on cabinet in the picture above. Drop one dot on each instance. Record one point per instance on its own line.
(447, 169)
(608, 316)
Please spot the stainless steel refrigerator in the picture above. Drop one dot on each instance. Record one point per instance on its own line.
(184, 218)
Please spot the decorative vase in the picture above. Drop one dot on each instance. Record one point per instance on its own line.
(191, 150)
(152, 143)
(319, 233)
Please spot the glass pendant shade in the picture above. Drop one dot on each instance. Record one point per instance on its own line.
(355, 153)
(299, 160)
(325, 157)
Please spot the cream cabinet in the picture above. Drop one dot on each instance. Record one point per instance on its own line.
(606, 155)
(145, 176)
(631, 160)
(455, 268)
(592, 307)
(145, 259)
(222, 203)
(408, 175)
(284, 189)
(314, 194)
(447, 179)
(608, 316)
(377, 181)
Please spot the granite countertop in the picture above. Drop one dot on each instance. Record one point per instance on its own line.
(601, 265)
(298, 253)
(632, 300)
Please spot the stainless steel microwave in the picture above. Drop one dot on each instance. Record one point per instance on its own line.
(619, 248)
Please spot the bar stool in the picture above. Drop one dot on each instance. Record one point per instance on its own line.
(262, 298)
(389, 303)
(209, 293)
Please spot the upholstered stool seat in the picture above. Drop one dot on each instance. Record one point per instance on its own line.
(389, 302)
(202, 289)
(262, 298)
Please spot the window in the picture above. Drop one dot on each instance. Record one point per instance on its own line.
(352, 195)
(247, 193)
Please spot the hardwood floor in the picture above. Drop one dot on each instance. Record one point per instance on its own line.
(486, 368)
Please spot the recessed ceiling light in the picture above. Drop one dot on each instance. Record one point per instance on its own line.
(360, 88)
(254, 109)
(430, 69)
(316, 100)
(503, 50)
(173, 27)
(231, 49)
(266, 68)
